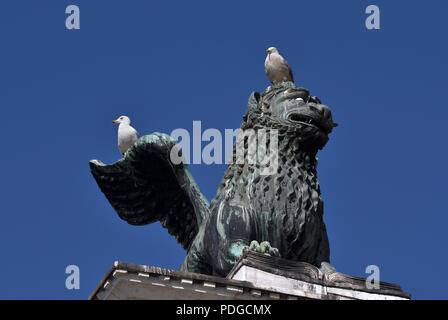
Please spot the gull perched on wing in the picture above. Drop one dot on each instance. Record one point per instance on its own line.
(126, 134)
(276, 67)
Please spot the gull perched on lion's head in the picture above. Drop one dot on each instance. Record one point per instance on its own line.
(276, 67)
(126, 134)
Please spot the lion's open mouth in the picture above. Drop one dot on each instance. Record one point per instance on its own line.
(305, 120)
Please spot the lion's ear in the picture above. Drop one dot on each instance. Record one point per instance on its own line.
(252, 106)
(253, 101)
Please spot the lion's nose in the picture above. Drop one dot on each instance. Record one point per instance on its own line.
(325, 113)
(320, 108)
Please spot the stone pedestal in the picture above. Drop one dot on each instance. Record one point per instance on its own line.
(254, 277)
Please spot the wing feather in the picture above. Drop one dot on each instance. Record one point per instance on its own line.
(145, 187)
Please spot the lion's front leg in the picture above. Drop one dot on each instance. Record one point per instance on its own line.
(232, 229)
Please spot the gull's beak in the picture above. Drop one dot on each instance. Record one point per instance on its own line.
(268, 51)
(115, 121)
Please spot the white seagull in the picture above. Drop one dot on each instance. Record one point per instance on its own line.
(126, 134)
(276, 67)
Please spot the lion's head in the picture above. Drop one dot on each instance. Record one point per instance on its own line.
(291, 110)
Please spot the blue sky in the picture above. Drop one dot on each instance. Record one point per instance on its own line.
(165, 64)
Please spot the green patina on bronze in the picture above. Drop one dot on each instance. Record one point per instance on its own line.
(280, 214)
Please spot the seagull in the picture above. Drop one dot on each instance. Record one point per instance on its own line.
(276, 67)
(126, 134)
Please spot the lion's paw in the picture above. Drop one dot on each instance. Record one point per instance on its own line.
(263, 247)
